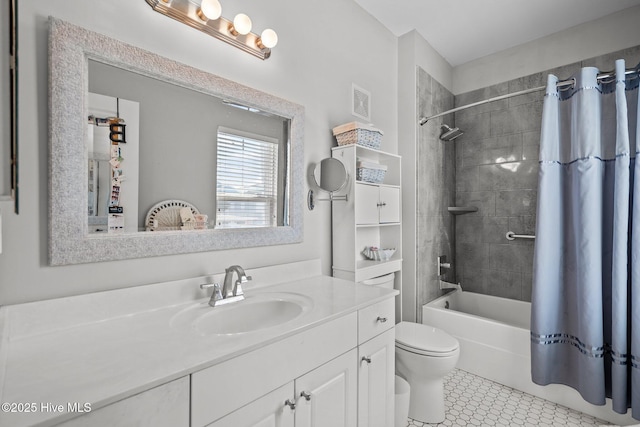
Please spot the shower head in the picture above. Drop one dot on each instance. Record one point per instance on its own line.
(449, 134)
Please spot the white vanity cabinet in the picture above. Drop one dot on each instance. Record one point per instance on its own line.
(268, 411)
(376, 370)
(338, 374)
(164, 406)
(301, 373)
(324, 397)
(376, 381)
(226, 387)
(327, 396)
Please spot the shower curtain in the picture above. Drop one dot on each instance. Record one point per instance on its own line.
(585, 322)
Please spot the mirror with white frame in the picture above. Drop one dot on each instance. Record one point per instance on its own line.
(82, 61)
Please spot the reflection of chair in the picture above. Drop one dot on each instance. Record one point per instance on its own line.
(166, 215)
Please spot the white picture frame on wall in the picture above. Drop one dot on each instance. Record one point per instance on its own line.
(360, 102)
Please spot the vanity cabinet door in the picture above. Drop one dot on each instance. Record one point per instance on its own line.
(268, 411)
(163, 406)
(327, 396)
(376, 381)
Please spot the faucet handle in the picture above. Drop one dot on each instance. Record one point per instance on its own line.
(238, 288)
(217, 293)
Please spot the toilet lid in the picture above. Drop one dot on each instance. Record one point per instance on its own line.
(424, 338)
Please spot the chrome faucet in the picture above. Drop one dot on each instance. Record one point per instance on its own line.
(229, 292)
(235, 290)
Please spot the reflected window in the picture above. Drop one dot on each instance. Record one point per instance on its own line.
(247, 177)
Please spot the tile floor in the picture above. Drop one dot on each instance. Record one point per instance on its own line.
(474, 401)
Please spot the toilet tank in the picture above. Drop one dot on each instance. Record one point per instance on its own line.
(385, 281)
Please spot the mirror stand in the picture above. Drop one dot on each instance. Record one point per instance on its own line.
(311, 199)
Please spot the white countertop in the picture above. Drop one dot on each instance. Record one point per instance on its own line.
(105, 359)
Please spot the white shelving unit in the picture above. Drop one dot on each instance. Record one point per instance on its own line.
(371, 216)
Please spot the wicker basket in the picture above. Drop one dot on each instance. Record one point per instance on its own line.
(370, 172)
(358, 133)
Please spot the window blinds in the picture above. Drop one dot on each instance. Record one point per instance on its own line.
(246, 185)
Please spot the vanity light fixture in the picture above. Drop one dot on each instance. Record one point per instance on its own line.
(207, 17)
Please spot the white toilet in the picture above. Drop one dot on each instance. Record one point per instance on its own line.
(424, 355)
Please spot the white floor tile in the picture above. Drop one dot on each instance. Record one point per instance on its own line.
(471, 400)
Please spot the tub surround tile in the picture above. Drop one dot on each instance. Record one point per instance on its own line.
(525, 224)
(474, 255)
(475, 127)
(507, 257)
(485, 201)
(516, 202)
(435, 188)
(508, 176)
(500, 149)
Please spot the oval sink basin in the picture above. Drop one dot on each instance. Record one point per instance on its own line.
(254, 313)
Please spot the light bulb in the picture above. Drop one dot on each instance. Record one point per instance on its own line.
(209, 9)
(241, 24)
(268, 39)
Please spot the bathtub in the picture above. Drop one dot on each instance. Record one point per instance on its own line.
(494, 336)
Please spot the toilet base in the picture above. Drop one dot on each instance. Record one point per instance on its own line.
(427, 402)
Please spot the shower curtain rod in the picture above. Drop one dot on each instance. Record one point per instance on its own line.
(562, 84)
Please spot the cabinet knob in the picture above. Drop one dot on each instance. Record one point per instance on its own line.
(381, 204)
(290, 404)
(306, 395)
(366, 359)
(381, 319)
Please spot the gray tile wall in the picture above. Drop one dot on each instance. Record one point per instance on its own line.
(497, 171)
(435, 189)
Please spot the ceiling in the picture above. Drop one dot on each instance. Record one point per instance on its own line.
(464, 30)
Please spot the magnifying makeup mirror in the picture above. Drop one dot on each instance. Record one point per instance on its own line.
(331, 176)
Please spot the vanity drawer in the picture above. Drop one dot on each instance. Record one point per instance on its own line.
(223, 388)
(376, 319)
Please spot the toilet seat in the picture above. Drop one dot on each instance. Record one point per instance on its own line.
(425, 340)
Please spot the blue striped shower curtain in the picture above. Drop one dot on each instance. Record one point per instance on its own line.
(585, 322)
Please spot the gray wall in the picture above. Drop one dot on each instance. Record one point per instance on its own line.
(497, 171)
(435, 189)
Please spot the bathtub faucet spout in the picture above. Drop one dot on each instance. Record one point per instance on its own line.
(449, 285)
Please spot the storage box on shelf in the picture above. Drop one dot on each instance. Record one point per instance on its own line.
(371, 216)
(358, 133)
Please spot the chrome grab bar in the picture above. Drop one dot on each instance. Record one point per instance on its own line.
(512, 236)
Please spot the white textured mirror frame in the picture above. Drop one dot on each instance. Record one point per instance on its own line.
(70, 48)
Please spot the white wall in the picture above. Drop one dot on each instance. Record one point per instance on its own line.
(413, 51)
(608, 34)
(323, 48)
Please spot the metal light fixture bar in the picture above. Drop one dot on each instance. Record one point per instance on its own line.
(186, 12)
